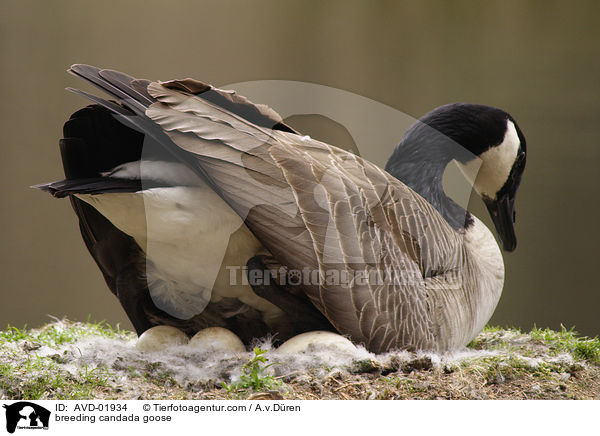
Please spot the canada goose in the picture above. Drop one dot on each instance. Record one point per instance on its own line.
(225, 183)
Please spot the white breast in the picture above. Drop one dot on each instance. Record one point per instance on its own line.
(463, 299)
(485, 271)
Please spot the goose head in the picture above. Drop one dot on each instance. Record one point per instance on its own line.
(490, 150)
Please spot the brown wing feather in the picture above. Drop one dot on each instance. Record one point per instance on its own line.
(318, 207)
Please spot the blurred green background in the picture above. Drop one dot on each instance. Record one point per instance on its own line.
(539, 60)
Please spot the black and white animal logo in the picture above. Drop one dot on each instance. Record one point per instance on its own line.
(26, 415)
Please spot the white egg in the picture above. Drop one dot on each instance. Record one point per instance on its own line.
(217, 339)
(305, 341)
(161, 337)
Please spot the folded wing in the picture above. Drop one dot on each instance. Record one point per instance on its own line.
(362, 241)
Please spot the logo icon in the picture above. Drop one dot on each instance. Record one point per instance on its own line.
(26, 415)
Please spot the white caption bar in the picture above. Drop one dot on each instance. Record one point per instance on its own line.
(162, 418)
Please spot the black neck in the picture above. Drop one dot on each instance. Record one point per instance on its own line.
(421, 168)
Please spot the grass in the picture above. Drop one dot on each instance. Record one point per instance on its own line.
(39, 377)
(32, 376)
(542, 357)
(565, 340)
(557, 342)
(61, 333)
(502, 369)
(493, 337)
(503, 363)
(254, 376)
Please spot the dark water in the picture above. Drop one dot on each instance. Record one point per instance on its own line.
(538, 60)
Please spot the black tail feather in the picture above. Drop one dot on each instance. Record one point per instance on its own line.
(95, 142)
(99, 185)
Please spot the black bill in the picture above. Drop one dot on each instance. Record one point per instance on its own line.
(502, 212)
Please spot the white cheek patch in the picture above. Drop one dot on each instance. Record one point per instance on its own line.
(496, 164)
